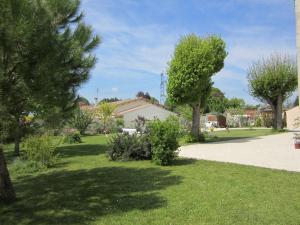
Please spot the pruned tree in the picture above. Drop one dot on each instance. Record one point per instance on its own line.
(45, 55)
(272, 80)
(105, 112)
(81, 119)
(194, 62)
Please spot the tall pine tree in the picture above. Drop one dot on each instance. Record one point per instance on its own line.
(45, 55)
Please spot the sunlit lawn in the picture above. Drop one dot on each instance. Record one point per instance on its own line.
(237, 134)
(86, 188)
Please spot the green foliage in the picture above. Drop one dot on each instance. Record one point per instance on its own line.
(104, 112)
(272, 80)
(81, 120)
(72, 137)
(216, 102)
(190, 138)
(271, 77)
(129, 147)
(109, 100)
(163, 139)
(194, 61)
(235, 111)
(258, 122)
(238, 103)
(267, 120)
(47, 50)
(23, 166)
(139, 123)
(40, 149)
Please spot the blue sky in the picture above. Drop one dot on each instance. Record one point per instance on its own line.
(139, 36)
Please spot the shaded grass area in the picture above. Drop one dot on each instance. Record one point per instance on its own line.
(89, 189)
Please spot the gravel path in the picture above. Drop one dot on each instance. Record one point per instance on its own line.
(274, 151)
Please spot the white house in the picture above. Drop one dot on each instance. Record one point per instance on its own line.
(130, 109)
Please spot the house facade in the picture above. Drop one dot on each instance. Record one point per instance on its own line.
(131, 109)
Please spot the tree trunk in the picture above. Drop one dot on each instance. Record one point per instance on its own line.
(278, 118)
(17, 138)
(196, 121)
(17, 146)
(7, 192)
(274, 116)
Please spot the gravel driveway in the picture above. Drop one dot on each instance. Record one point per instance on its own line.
(274, 151)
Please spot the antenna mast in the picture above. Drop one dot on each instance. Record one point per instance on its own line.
(162, 88)
(97, 97)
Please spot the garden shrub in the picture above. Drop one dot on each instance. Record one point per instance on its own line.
(258, 122)
(81, 120)
(72, 137)
(267, 120)
(129, 147)
(22, 166)
(190, 138)
(163, 138)
(40, 149)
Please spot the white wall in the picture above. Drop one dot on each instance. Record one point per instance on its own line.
(291, 116)
(149, 112)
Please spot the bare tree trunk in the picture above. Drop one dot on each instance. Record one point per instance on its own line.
(279, 112)
(7, 192)
(196, 121)
(17, 138)
(274, 116)
(17, 146)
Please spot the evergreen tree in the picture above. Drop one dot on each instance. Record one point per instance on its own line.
(45, 55)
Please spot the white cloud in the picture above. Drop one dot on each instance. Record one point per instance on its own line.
(114, 89)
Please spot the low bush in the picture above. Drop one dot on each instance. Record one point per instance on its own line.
(190, 138)
(22, 166)
(81, 120)
(163, 138)
(72, 137)
(258, 122)
(129, 147)
(40, 149)
(267, 120)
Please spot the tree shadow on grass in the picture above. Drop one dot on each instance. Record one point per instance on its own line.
(184, 161)
(221, 140)
(81, 196)
(81, 150)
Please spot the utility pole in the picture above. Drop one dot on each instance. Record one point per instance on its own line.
(162, 89)
(97, 97)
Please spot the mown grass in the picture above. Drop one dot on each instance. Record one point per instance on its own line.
(232, 134)
(86, 188)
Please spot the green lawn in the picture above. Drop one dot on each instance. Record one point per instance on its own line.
(232, 134)
(86, 188)
(237, 134)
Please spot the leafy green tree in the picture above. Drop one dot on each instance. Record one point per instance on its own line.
(45, 54)
(194, 62)
(272, 80)
(216, 102)
(235, 103)
(81, 120)
(104, 112)
(115, 99)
